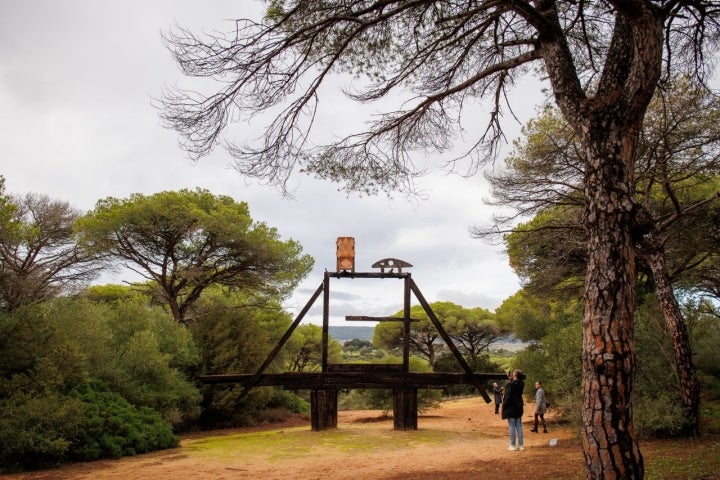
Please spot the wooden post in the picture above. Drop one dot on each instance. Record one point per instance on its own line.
(406, 324)
(405, 408)
(323, 409)
(326, 322)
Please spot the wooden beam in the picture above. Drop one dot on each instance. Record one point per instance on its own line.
(355, 379)
(365, 318)
(368, 275)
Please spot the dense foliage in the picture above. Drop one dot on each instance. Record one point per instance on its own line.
(550, 326)
(81, 380)
(434, 61)
(235, 333)
(110, 370)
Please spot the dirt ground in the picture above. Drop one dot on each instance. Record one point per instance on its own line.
(461, 439)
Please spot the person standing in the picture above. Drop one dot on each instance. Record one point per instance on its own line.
(498, 396)
(513, 409)
(540, 407)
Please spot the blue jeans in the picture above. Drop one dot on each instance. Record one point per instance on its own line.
(515, 425)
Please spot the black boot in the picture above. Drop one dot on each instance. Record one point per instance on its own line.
(536, 430)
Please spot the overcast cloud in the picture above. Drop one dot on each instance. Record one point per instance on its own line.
(76, 83)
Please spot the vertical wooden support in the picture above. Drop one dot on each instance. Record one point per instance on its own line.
(405, 408)
(406, 324)
(323, 409)
(326, 322)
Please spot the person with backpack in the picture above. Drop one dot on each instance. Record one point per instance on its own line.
(541, 406)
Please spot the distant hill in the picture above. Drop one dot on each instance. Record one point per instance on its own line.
(343, 334)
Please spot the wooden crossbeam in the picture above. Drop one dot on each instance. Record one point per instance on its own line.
(365, 318)
(355, 379)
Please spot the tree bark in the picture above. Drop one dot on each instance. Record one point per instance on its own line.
(687, 378)
(608, 357)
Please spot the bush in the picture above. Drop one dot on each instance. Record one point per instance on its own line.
(354, 400)
(112, 427)
(87, 424)
(382, 399)
(288, 400)
(35, 431)
(658, 415)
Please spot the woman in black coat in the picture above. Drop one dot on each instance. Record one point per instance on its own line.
(513, 409)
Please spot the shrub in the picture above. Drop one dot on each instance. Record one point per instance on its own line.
(35, 431)
(284, 399)
(87, 424)
(112, 427)
(657, 415)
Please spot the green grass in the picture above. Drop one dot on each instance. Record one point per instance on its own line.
(299, 441)
(685, 459)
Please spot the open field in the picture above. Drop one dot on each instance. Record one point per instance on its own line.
(462, 439)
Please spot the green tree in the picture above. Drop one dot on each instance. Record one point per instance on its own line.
(704, 326)
(551, 357)
(135, 350)
(303, 351)
(235, 332)
(382, 398)
(525, 315)
(183, 242)
(602, 60)
(423, 339)
(39, 255)
(356, 344)
(472, 330)
(7, 207)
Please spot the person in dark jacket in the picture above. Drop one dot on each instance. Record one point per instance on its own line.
(513, 409)
(498, 394)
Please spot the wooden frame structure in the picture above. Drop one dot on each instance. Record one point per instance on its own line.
(324, 385)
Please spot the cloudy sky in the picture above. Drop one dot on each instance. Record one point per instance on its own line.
(77, 78)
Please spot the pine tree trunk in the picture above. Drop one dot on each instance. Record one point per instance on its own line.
(608, 119)
(608, 358)
(687, 378)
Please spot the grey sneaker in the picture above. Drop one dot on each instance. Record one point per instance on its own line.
(511, 448)
(521, 448)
